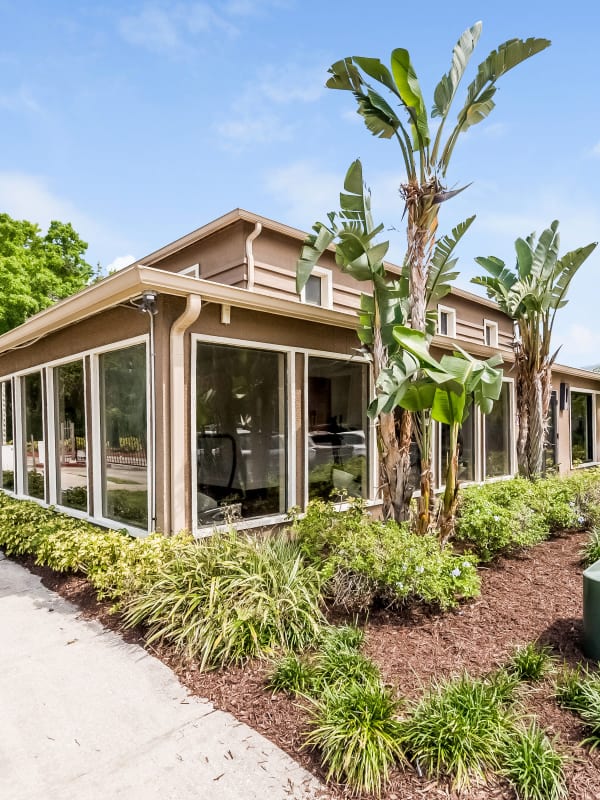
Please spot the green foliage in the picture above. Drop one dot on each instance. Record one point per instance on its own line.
(457, 729)
(355, 727)
(590, 551)
(230, 598)
(336, 661)
(579, 691)
(36, 270)
(530, 662)
(501, 517)
(365, 561)
(532, 766)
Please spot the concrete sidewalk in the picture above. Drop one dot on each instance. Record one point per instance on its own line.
(85, 715)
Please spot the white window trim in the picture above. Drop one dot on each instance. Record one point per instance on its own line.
(193, 271)
(326, 287)
(492, 326)
(24, 484)
(12, 492)
(595, 454)
(290, 437)
(371, 426)
(96, 436)
(52, 432)
(451, 312)
(512, 453)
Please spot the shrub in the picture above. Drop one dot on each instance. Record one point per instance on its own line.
(591, 549)
(230, 598)
(532, 765)
(457, 729)
(530, 662)
(292, 674)
(364, 560)
(358, 734)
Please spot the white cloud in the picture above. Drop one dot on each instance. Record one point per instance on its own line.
(120, 262)
(595, 151)
(304, 191)
(29, 197)
(171, 28)
(255, 116)
(20, 99)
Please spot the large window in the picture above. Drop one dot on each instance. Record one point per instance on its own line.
(33, 434)
(582, 437)
(466, 449)
(7, 450)
(70, 433)
(124, 435)
(498, 436)
(241, 451)
(337, 428)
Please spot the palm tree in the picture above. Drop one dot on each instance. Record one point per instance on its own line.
(426, 161)
(531, 296)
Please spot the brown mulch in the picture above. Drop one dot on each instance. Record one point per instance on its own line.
(537, 595)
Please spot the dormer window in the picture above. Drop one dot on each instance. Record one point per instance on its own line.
(446, 321)
(318, 289)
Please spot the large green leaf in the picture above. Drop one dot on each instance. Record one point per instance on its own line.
(446, 89)
(312, 249)
(344, 75)
(407, 82)
(379, 118)
(448, 407)
(415, 342)
(441, 266)
(375, 69)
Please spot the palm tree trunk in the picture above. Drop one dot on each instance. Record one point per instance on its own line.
(447, 514)
(536, 435)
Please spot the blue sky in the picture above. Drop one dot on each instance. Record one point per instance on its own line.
(140, 121)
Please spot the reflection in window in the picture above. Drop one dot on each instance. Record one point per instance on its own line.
(550, 445)
(466, 450)
(124, 432)
(7, 450)
(498, 427)
(241, 433)
(313, 291)
(337, 428)
(33, 432)
(582, 443)
(70, 434)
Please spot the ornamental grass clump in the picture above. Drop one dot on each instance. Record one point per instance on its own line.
(590, 552)
(457, 730)
(531, 662)
(230, 598)
(336, 660)
(356, 729)
(532, 765)
(579, 691)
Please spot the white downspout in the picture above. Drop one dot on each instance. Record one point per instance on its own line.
(179, 447)
(250, 255)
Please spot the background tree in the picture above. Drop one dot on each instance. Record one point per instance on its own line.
(426, 161)
(531, 296)
(38, 269)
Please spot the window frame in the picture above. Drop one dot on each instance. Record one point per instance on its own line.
(326, 278)
(96, 438)
(492, 326)
(451, 321)
(593, 431)
(289, 390)
(193, 271)
(512, 445)
(12, 492)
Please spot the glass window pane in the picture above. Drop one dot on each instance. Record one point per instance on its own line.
(337, 428)
(466, 450)
(71, 445)
(582, 450)
(7, 450)
(34, 435)
(124, 431)
(241, 433)
(313, 291)
(498, 430)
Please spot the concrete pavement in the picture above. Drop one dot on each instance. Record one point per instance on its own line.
(86, 716)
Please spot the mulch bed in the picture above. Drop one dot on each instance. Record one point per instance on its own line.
(536, 595)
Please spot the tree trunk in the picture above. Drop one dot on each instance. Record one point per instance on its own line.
(447, 515)
(537, 427)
